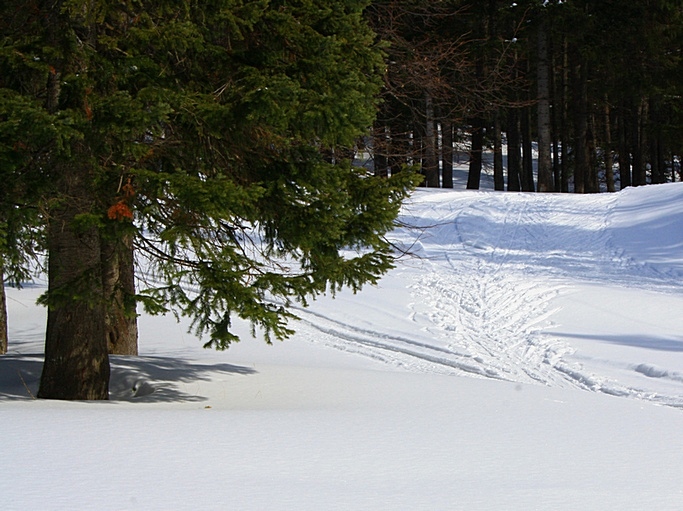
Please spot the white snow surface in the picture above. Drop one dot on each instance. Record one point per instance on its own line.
(525, 354)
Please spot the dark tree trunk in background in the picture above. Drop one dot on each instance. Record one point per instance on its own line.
(564, 121)
(527, 152)
(380, 148)
(637, 145)
(399, 145)
(580, 114)
(474, 175)
(608, 154)
(657, 158)
(624, 153)
(430, 163)
(514, 155)
(498, 176)
(447, 151)
(545, 175)
(592, 183)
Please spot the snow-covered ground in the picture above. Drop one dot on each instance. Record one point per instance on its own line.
(525, 354)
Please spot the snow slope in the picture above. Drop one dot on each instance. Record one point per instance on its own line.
(526, 353)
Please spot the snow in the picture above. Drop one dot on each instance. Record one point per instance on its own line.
(526, 353)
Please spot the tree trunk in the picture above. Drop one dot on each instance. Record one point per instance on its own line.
(527, 152)
(638, 136)
(3, 315)
(447, 150)
(545, 176)
(118, 277)
(555, 113)
(592, 181)
(498, 177)
(474, 174)
(624, 153)
(76, 360)
(657, 158)
(564, 120)
(431, 163)
(399, 150)
(514, 156)
(580, 90)
(380, 144)
(609, 155)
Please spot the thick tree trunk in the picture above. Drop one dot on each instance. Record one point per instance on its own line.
(76, 360)
(118, 274)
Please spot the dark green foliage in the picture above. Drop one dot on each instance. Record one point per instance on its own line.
(206, 129)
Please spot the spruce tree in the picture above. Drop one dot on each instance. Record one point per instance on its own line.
(213, 138)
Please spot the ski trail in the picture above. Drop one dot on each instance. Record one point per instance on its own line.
(489, 266)
(484, 298)
(489, 292)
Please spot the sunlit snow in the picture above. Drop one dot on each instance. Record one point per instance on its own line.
(525, 354)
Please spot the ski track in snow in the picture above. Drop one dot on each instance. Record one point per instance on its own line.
(493, 264)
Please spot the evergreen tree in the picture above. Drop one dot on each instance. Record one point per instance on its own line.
(25, 132)
(211, 137)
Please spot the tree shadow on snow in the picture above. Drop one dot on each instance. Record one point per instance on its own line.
(635, 341)
(133, 379)
(19, 376)
(159, 379)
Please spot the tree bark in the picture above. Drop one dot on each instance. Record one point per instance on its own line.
(592, 182)
(624, 153)
(657, 158)
(447, 150)
(545, 176)
(609, 155)
(474, 174)
(400, 149)
(380, 144)
(76, 359)
(431, 164)
(580, 92)
(498, 176)
(3, 315)
(514, 156)
(564, 119)
(527, 152)
(118, 269)
(638, 136)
